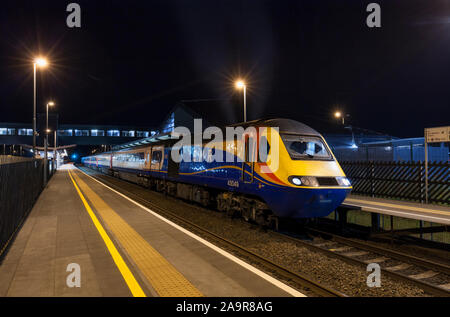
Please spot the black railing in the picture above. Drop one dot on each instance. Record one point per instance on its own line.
(21, 182)
(400, 180)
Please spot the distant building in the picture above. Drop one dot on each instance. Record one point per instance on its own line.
(405, 150)
(67, 134)
(212, 112)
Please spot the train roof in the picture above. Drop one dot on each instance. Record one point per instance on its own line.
(285, 126)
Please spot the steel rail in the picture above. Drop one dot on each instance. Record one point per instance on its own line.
(443, 268)
(431, 288)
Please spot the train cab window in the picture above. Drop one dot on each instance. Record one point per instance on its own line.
(156, 157)
(305, 147)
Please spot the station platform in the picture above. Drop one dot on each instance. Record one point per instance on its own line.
(426, 212)
(121, 249)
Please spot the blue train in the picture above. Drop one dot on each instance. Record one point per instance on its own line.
(302, 179)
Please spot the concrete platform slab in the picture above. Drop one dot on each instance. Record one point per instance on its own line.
(60, 231)
(403, 209)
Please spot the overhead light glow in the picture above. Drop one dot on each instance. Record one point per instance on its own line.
(41, 62)
(240, 84)
(338, 114)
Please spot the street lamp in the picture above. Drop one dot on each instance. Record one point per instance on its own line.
(338, 115)
(38, 62)
(241, 85)
(55, 158)
(47, 130)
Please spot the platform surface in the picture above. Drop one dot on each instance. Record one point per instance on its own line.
(426, 212)
(122, 249)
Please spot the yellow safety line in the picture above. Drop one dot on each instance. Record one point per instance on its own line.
(162, 275)
(426, 210)
(133, 285)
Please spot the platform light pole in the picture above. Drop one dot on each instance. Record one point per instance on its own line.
(55, 159)
(241, 85)
(38, 62)
(47, 131)
(339, 114)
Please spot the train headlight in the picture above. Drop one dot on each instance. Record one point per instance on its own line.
(304, 181)
(343, 181)
(309, 181)
(295, 180)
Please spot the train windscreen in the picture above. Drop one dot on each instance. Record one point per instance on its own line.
(305, 147)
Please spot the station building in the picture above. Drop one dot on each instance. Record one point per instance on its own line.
(16, 138)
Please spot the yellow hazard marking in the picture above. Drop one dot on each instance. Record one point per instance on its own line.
(133, 285)
(163, 276)
(370, 202)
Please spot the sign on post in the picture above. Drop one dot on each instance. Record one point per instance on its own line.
(433, 135)
(441, 134)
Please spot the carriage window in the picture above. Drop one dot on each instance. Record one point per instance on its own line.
(305, 147)
(156, 157)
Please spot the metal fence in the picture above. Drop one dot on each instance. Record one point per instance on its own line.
(21, 182)
(400, 180)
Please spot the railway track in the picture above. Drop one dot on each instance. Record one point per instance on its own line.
(430, 276)
(251, 257)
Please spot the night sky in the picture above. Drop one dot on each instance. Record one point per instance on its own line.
(131, 61)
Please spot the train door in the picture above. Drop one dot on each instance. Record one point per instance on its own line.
(157, 158)
(248, 163)
(147, 157)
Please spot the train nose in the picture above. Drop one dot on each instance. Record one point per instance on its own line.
(321, 203)
(315, 202)
(321, 198)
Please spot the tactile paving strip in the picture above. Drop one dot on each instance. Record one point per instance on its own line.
(163, 276)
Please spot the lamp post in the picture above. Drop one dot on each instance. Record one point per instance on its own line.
(338, 115)
(241, 85)
(55, 159)
(47, 131)
(38, 62)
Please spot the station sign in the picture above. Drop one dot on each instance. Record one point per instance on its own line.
(440, 134)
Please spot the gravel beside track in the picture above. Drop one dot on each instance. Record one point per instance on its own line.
(331, 272)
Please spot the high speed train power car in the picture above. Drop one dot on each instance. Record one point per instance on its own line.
(296, 176)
